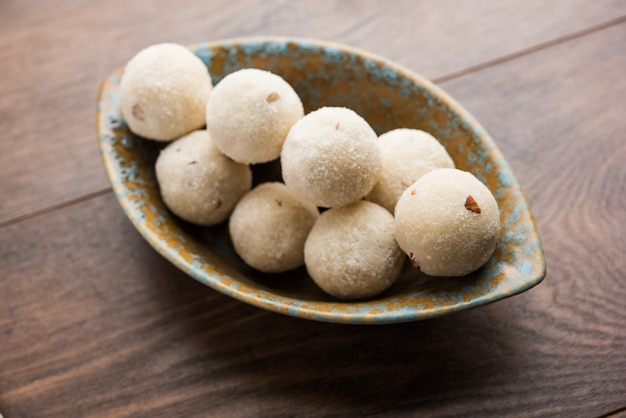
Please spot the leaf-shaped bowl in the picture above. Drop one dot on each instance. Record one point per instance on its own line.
(388, 96)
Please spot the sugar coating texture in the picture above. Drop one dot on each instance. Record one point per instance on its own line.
(249, 114)
(447, 222)
(198, 183)
(331, 157)
(164, 91)
(407, 155)
(351, 252)
(269, 227)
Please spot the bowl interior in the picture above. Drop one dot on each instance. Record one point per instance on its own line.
(388, 97)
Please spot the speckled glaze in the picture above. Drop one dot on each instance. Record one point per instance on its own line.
(388, 97)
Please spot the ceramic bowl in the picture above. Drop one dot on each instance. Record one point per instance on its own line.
(388, 96)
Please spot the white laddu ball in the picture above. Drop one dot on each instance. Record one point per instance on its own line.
(197, 182)
(407, 155)
(249, 114)
(331, 157)
(164, 91)
(447, 222)
(351, 252)
(269, 227)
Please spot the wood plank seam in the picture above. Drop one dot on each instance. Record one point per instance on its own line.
(61, 205)
(530, 50)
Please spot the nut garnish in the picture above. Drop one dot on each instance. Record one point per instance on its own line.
(272, 97)
(137, 112)
(414, 261)
(470, 204)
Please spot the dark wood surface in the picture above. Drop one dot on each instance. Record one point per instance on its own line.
(94, 323)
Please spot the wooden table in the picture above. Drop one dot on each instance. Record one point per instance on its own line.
(94, 323)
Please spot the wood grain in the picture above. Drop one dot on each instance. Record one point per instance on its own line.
(94, 323)
(55, 55)
(102, 326)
